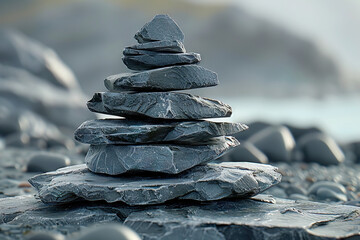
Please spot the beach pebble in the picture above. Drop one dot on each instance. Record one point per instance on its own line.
(336, 187)
(320, 148)
(295, 190)
(247, 152)
(109, 232)
(297, 196)
(44, 236)
(45, 162)
(328, 194)
(275, 142)
(298, 132)
(253, 128)
(276, 192)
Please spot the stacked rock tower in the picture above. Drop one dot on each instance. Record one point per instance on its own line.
(161, 149)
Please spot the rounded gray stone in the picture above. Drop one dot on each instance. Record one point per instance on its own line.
(247, 152)
(44, 236)
(324, 193)
(336, 187)
(45, 162)
(109, 232)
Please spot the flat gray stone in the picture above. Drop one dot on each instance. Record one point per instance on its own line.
(164, 105)
(124, 131)
(163, 79)
(173, 46)
(161, 27)
(201, 183)
(171, 159)
(145, 60)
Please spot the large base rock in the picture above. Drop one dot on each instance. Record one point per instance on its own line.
(172, 159)
(163, 79)
(201, 183)
(165, 105)
(124, 131)
(259, 218)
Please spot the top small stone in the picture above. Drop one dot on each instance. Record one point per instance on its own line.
(162, 27)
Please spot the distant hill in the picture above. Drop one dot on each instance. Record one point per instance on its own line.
(251, 55)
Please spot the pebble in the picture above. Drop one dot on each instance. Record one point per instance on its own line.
(109, 232)
(44, 236)
(324, 193)
(275, 142)
(247, 152)
(297, 196)
(46, 162)
(295, 190)
(320, 148)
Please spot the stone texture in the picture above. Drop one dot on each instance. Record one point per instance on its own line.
(124, 131)
(275, 142)
(171, 159)
(161, 27)
(320, 148)
(247, 152)
(201, 183)
(163, 79)
(164, 105)
(261, 217)
(173, 46)
(144, 60)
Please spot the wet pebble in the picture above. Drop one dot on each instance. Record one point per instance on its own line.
(295, 190)
(109, 232)
(276, 192)
(247, 152)
(336, 187)
(45, 162)
(44, 236)
(328, 194)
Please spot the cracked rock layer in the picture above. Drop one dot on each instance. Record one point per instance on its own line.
(163, 79)
(171, 159)
(202, 183)
(124, 131)
(164, 105)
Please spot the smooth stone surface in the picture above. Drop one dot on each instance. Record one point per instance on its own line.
(298, 196)
(44, 236)
(173, 46)
(124, 131)
(109, 232)
(201, 183)
(145, 60)
(320, 148)
(254, 127)
(163, 79)
(298, 132)
(46, 162)
(336, 187)
(164, 105)
(261, 217)
(293, 189)
(161, 27)
(247, 152)
(328, 194)
(275, 142)
(171, 159)
(19, 51)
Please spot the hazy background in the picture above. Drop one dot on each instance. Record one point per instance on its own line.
(278, 61)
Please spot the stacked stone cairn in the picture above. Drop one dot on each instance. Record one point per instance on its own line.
(161, 150)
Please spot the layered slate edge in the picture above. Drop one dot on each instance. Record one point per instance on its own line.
(201, 183)
(125, 131)
(261, 217)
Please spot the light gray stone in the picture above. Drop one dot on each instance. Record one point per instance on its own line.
(161, 27)
(173, 46)
(108, 232)
(163, 79)
(164, 105)
(171, 159)
(202, 183)
(144, 60)
(124, 131)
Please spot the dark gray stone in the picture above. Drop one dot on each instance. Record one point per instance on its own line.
(247, 152)
(163, 79)
(173, 46)
(328, 194)
(254, 127)
(109, 232)
(164, 105)
(320, 148)
(18, 51)
(45, 162)
(293, 189)
(124, 131)
(161, 27)
(298, 132)
(171, 159)
(336, 187)
(145, 60)
(261, 217)
(201, 183)
(44, 236)
(275, 142)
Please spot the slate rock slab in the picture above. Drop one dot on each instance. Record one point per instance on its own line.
(201, 183)
(173, 46)
(164, 105)
(171, 159)
(161, 27)
(259, 218)
(163, 79)
(144, 60)
(125, 131)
